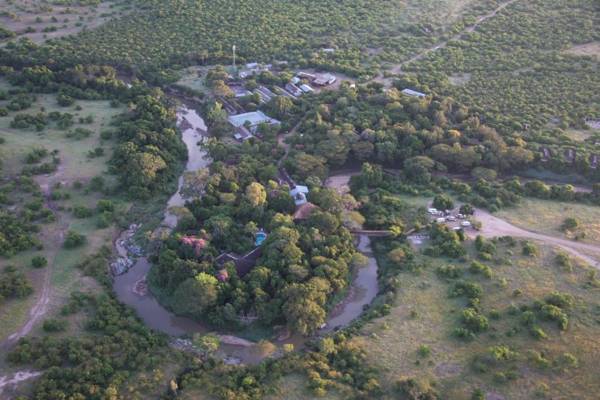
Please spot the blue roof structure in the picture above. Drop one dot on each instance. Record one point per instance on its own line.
(254, 118)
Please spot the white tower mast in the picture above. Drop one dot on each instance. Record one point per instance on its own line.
(233, 48)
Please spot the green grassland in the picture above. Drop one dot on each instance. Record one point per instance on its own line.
(547, 216)
(75, 166)
(73, 153)
(425, 315)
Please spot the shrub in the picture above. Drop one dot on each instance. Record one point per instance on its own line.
(474, 321)
(563, 260)
(443, 202)
(412, 389)
(39, 262)
(424, 351)
(538, 359)
(566, 361)
(82, 212)
(478, 394)
(449, 271)
(562, 300)
(554, 313)
(479, 268)
(569, 224)
(530, 249)
(54, 325)
(105, 206)
(538, 333)
(468, 289)
(73, 240)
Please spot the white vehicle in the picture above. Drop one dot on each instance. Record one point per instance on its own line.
(451, 218)
(432, 211)
(460, 216)
(465, 224)
(440, 220)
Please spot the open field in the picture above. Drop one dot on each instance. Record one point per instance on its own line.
(193, 78)
(75, 164)
(546, 217)
(41, 20)
(54, 283)
(425, 315)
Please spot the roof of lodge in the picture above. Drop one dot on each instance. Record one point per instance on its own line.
(255, 118)
(243, 264)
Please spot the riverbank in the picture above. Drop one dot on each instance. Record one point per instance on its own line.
(131, 286)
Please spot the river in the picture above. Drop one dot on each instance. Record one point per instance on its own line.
(131, 287)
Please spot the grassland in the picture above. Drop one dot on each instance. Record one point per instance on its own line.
(75, 167)
(425, 315)
(40, 20)
(545, 216)
(193, 78)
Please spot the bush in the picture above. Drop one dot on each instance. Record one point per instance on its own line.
(82, 212)
(474, 321)
(39, 262)
(562, 300)
(468, 289)
(105, 206)
(449, 271)
(530, 249)
(479, 268)
(412, 389)
(424, 351)
(73, 240)
(443, 202)
(54, 325)
(569, 224)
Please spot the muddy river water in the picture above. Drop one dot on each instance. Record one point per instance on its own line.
(362, 291)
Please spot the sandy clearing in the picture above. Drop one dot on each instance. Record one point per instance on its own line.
(6, 381)
(493, 226)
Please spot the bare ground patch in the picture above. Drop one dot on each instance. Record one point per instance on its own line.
(459, 79)
(591, 49)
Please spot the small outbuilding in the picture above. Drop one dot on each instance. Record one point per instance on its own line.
(413, 93)
(299, 193)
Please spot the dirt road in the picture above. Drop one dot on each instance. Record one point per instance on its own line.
(6, 381)
(493, 227)
(53, 238)
(397, 69)
(281, 141)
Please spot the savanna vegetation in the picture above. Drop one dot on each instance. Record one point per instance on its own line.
(89, 141)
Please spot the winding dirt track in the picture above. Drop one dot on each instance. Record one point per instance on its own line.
(40, 307)
(493, 227)
(18, 377)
